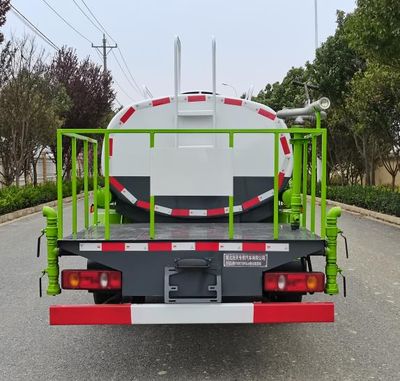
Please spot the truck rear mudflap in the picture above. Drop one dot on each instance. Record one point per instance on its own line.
(205, 313)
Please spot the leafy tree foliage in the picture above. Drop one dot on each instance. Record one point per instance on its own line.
(374, 105)
(374, 30)
(4, 8)
(31, 105)
(89, 89)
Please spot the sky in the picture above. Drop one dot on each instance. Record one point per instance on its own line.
(258, 41)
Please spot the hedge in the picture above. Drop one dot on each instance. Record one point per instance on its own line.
(14, 198)
(377, 198)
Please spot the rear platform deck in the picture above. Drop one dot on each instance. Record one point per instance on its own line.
(194, 231)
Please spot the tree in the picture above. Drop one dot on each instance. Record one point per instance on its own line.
(373, 104)
(4, 8)
(31, 105)
(89, 90)
(374, 30)
(335, 65)
(285, 94)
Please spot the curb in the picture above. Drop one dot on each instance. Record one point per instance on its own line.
(364, 212)
(32, 210)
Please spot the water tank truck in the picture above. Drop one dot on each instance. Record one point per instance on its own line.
(203, 215)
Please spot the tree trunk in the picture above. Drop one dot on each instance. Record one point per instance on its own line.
(34, 172)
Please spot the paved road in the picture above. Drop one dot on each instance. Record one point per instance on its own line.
(363, 344)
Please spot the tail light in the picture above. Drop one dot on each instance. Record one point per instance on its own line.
(294, 282)
(91, 280)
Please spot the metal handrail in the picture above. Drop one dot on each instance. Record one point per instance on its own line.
(300, 171)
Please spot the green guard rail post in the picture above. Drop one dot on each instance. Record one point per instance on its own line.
(86, 181)
(276, 185)
(313, 180)
(95, 183)
(305, 179)
(231, 201)
(73, 185)
(107, 186)
(60, 184)
(152, 200)
(323, 180)
(296, 201)
(52, 270)
(332, 269)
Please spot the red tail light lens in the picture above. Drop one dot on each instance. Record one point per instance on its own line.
(294, 282)
(91, 280)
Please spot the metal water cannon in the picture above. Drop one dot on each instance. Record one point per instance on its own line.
(320, 105)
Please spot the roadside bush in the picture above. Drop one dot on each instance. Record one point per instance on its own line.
(14, 198)
(380, 199)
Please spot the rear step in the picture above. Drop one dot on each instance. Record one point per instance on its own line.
(253, 313)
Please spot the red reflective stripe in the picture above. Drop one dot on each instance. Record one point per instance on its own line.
(113, 246)
(143, 204)
(281, 178)
(207, 246)
(253, 246)
(196, 98)
(215, 212)
(267, 114)
(110, 146)
(305, 312)
(250, 203)
(285, 145)
(116, 184)
(160, 246)
(127, 114)
(233, 102)
(180, 212)
(161, 101)
(90, 314)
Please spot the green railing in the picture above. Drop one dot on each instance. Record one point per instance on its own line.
(301, 138)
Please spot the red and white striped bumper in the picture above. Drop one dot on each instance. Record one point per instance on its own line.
(253, 313)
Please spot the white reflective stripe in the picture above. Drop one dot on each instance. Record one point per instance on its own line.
(237, 208)
(192, 313)
(178, 246)
(266, 195)
(128, 195)
(285, 163)
(277, 247)
(162, 209)
(198, 212)
(92, 246)
(231, 246)
(137, 246)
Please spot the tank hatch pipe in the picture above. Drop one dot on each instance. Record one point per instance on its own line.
(321, 104)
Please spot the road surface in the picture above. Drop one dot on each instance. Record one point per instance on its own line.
(363, 344)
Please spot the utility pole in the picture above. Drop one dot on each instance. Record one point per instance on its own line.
(105, 49)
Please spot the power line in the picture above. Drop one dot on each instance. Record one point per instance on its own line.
(104, 46)
(34, 28)
(137, 89)
(127, 68)
(131, 81)
(122, 89)
(66, 22)
(84, 13)
(98, 22)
